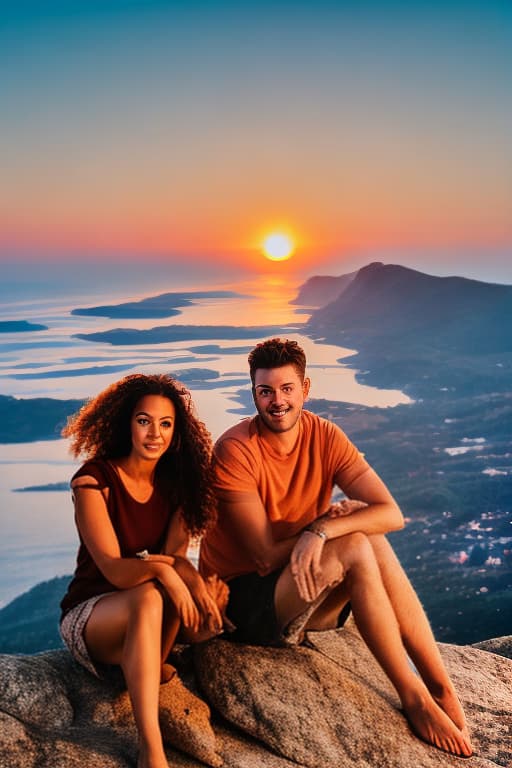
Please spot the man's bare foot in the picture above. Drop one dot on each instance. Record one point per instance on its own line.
(431, 724)
(449, 702)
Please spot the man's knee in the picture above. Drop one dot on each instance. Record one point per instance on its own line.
(355, 549)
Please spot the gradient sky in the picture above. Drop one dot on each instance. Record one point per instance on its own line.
(170, 128)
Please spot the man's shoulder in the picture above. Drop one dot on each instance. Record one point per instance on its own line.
(318, 424)
(241, 433)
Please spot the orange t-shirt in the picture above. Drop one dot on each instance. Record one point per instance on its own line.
(294, 489)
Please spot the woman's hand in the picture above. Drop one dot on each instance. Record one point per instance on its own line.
(306, 566)
(210, 595)
(181, 597)
(345, 507)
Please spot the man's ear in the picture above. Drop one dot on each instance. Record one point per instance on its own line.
(305, 387)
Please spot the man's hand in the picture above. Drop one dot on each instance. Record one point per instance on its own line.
(345, 507)
(306, 566)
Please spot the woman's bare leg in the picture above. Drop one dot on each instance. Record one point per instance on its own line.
(375, 618)
(416, 632)
(126, 629)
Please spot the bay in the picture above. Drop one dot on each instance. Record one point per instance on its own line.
(39, 539)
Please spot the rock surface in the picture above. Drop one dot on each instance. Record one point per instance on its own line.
(325, 704)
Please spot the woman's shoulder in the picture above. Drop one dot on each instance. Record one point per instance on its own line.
(99, 469)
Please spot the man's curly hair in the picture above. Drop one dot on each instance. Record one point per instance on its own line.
(274, 353)
(101, 429)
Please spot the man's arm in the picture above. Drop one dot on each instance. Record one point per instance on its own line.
(380, 515)
(246, 517)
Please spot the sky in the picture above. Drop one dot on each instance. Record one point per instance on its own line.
(170, 130)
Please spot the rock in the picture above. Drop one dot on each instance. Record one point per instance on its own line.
(500, 645)
(55, 714)
(325, 704)
(329, 704)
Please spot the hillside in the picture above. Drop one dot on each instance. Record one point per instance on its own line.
(317, 291)
(37, 418)
(421, 332)
(30, 622)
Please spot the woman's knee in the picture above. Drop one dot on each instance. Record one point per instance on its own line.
(146, 600)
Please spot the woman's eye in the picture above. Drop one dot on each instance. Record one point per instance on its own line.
(166, 424)
(142, 422)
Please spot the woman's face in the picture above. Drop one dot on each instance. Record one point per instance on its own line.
(152, 427)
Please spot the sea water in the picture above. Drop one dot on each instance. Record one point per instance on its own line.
(39, 539)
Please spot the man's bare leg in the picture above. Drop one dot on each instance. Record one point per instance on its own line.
(416, 632)
(353, 556)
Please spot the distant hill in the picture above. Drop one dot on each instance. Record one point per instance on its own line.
(319, 290)
(20, 326)
(412, 329)
(163, 305)
(30, 623)
(38, 418)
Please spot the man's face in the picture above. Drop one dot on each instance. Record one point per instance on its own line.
(279, 394)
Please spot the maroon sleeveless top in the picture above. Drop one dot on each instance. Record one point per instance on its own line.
(137, 526)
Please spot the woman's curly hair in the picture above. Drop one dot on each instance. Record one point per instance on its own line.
(101, 429)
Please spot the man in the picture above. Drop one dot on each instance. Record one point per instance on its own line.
(292, 558)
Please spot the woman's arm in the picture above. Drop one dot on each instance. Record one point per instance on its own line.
(204, 592)
(99, 537)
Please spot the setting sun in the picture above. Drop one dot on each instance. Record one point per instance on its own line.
(278, 247)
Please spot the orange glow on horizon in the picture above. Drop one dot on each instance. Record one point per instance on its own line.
(235, 239)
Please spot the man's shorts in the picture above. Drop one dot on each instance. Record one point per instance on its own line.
(251, 608)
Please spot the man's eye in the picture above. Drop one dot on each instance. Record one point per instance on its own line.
(287, 390)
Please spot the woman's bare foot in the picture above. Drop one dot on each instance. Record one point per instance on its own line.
(431, 724)
(167, 672)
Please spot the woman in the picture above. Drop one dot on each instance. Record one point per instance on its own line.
(145, 489)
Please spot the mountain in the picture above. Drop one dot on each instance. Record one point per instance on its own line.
(422, 333)
(321, 289)
(455, 314)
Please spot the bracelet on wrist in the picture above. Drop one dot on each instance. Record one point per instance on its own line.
(317, 531)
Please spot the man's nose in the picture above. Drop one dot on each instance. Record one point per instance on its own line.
(277, 396)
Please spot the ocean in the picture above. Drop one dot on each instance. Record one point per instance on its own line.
(38, 538)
